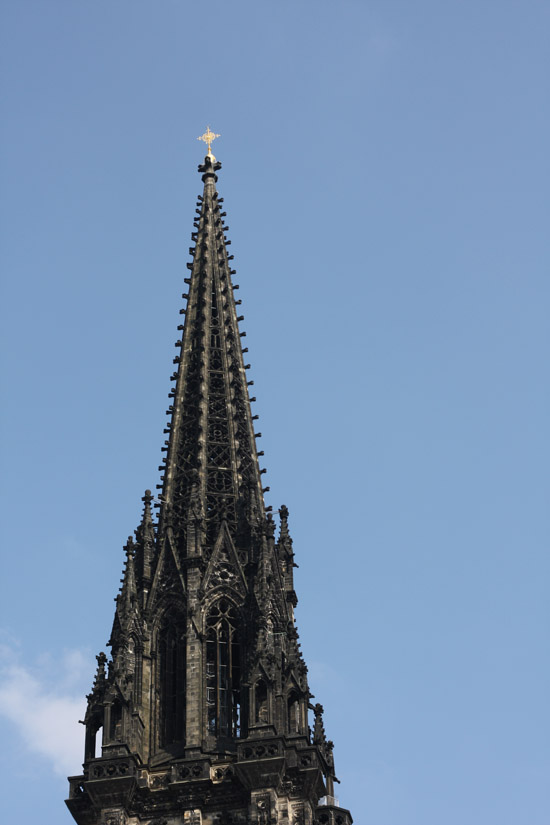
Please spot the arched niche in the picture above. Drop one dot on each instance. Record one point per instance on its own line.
(294, 712)
(261, 703)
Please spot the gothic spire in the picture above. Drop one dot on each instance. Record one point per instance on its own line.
(211, 465)
(203, 708)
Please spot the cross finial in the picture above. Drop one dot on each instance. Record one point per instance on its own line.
(208, 137)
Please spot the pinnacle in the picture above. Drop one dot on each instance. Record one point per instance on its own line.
(100, 673)
(285, 541)
(147, 517)
(143, 550)
(283, 514)
(128, 591)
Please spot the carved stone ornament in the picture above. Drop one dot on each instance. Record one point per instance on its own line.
(263, 806)
(113, 817)
(298, 815)
(158, 781)
(224, 574)
(192, 817)
(220, 772)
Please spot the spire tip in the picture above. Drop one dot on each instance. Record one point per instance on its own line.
(208, 138)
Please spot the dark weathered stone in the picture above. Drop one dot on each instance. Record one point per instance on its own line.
(203, 708)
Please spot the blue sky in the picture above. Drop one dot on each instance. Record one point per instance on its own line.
(385, 173)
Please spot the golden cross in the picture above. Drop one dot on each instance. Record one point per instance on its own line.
(208, 137)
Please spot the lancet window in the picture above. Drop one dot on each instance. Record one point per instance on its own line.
(135, 667)
(94, 734)
(171, 683)
(223, 664)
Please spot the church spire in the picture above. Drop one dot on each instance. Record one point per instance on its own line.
(211, 464)
(201, 715)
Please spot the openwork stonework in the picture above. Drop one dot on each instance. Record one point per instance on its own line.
(202, 715)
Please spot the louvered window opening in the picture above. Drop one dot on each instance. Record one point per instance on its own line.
(223, 663)
(172, 685)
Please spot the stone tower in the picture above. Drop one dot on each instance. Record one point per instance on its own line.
(200, 716)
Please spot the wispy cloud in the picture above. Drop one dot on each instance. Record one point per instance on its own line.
(46, 715)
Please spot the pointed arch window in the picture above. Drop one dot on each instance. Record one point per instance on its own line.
(171, 650)
(223, 670)
(135, 667)
(94, 734)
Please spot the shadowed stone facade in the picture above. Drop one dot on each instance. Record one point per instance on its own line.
(200, 717)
